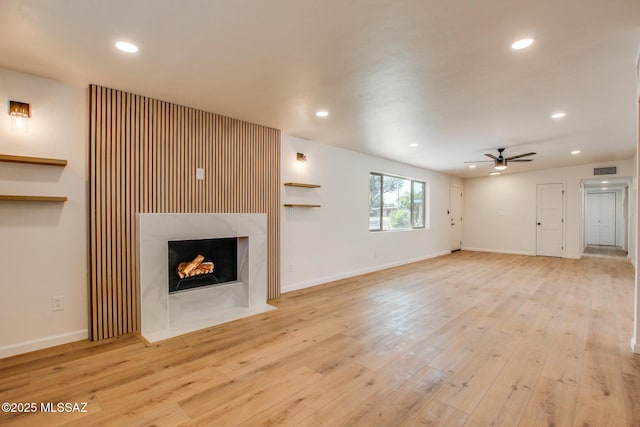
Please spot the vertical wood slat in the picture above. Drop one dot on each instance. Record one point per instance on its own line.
(143, 158)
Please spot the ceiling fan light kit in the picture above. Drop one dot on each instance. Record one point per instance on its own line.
(500, 165)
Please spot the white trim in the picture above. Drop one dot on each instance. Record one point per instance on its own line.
(498, 251)
(635, 347)
(40, 343)
(327, 279)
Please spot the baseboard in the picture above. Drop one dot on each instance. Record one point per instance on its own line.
(40, 343)
(327, 279)
(635, 346)
(498, 251)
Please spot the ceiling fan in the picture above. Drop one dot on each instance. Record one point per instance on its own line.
(500, 162)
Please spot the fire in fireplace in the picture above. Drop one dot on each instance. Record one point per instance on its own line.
(203, 262)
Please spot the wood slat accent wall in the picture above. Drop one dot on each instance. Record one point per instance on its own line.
(143, 158)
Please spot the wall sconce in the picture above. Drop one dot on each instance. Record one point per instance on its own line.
(19, 112)
(301, 157)
(19, 109)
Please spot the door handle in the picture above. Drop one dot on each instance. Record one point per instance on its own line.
(539, 223)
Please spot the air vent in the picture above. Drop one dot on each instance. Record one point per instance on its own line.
(611, 170)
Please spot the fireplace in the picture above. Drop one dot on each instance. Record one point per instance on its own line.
(202, 262)
(166, 314)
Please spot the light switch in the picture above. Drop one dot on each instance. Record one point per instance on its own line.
(200, 174)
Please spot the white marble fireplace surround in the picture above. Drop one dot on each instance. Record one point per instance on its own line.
(164, 315)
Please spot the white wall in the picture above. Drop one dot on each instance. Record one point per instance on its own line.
(500, 211)
(323, 244)
(43, 246)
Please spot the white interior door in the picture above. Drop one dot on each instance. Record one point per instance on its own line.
(455, 217)
(601, 219)
(592, 219)
(550, 220)
(608, 219)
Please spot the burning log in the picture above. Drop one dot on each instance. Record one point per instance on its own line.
(193, 264)
(195, 267)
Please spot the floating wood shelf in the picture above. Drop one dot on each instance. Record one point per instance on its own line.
(299, 184)
(296, 205)
(55, 199)
(32, 160)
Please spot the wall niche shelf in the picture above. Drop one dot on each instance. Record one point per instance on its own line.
(297, 205)
(300, 184)
(54, 199)
(32, 160)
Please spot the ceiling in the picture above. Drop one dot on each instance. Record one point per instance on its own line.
(440, 74)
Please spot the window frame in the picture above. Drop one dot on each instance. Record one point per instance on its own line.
(411, 207)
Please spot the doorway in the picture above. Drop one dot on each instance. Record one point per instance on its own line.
(605, 216)
(550, 220)
(455, 218)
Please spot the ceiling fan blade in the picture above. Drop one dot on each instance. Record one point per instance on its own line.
(520, 155)
(491, 156)
(480, 161)
(521, 160)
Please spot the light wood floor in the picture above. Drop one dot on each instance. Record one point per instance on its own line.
(465, 339)
(605, 251)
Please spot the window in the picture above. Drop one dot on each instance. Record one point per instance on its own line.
(396, 203)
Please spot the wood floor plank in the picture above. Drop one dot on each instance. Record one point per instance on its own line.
(259, 398)
(443, 341)
(438, 414)
(334, 388)
(601, 392)
(552, 404)
(566, 353)
(506, 399)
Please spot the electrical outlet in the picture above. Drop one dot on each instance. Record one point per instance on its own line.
(292, 268)
(57, 303)
(200, 174)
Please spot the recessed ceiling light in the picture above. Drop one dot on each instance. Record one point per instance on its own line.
(413, 145)
(127, 47)
(522, 43)
(472, 166)
(604, 182)
(604, 188)
(322, 113)
(494, 173)
(558, 115)
(574, 152)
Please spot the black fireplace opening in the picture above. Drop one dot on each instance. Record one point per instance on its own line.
(203, 262)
